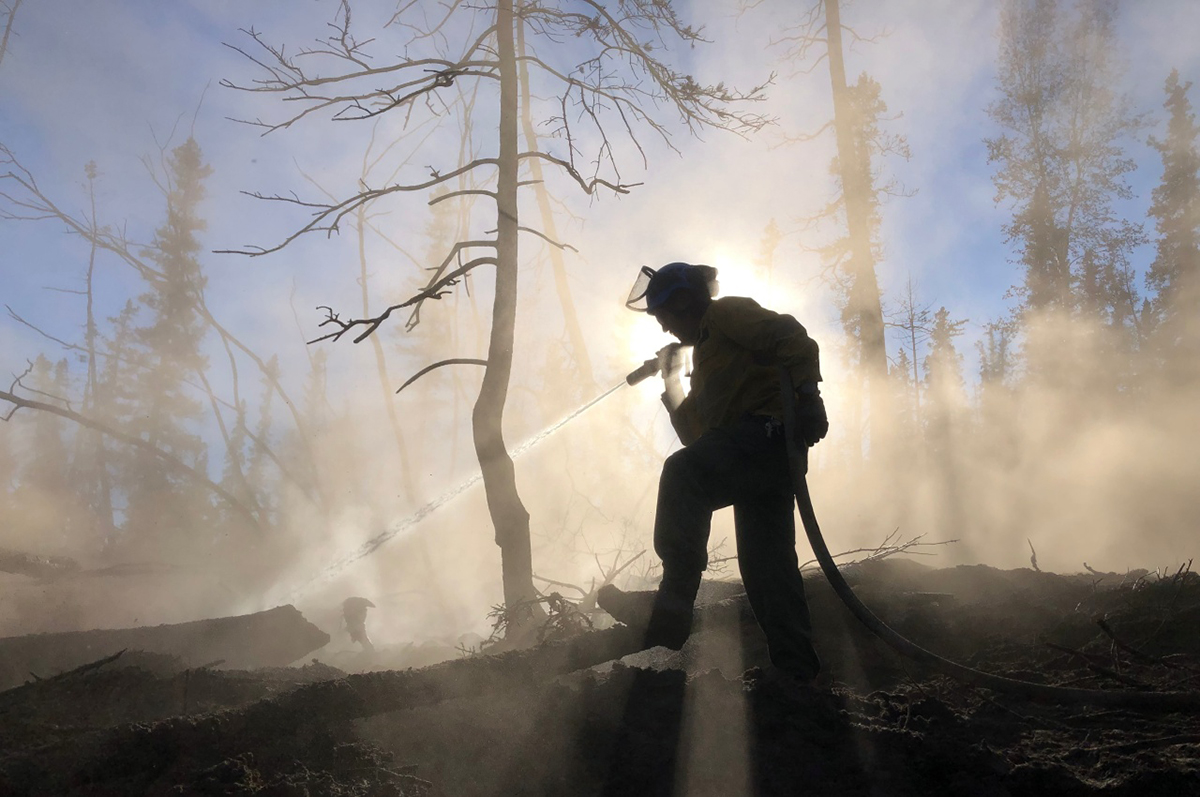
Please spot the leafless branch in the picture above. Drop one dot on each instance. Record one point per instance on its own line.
(802, 138)
(463, 192)
(327, 217)
(8, 26)
(31, 204)
(435, 291)
(554, 583)
(589, 186)
(428, 368)
(547, 239)
(885, 549)
(41, 207)
(20, 402)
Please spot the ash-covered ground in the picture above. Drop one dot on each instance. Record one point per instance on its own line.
(566, 719)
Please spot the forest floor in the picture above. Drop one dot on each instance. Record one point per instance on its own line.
(705, 721)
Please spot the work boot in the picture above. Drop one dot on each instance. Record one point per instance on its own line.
(629, 608)
(670, 620)
(664, 616)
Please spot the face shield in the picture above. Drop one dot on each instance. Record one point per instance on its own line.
(641, 286)
(653, 287)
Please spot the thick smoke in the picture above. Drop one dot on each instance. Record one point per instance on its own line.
(1080, 449)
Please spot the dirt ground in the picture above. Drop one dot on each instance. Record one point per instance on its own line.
(706, 721)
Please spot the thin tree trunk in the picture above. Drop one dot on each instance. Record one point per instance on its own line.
(8, 28)
(912, 331)
(509, 516)
(856, 193)
(102, 498)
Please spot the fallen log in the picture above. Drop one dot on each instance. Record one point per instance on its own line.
(273, 638)
(28, 564)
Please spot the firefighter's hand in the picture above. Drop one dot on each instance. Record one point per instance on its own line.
(812, 424)
(670, 361)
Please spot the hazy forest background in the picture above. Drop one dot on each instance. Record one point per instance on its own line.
(988, 214)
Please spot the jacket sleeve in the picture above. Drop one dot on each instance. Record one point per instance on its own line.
(683, 420)
(772, 338)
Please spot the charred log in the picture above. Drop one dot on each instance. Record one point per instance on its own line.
(272, 638)
(28, 564)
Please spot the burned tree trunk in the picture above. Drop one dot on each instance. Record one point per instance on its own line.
(509, 516)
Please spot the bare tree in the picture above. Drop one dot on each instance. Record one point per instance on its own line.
(857, 111)
(116, 364)
(915, 323)
(620, 83)
(8, 13)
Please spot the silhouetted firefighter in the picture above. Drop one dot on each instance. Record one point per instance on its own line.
(731, 425)
(354, 614)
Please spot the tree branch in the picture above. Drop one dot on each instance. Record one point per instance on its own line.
(337, 211)
(8, 28)
(434, 291)
(428, 368)
(19, 402)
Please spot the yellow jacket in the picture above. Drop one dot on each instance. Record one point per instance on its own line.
(735, 366)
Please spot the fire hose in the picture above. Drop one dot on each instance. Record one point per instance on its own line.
(797, 464)
(1170, 701)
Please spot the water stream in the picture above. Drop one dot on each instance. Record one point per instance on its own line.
(375, 543)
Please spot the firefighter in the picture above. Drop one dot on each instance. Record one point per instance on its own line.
(734, 454)
(354, 614)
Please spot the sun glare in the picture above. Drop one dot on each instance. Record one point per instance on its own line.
(735, 277)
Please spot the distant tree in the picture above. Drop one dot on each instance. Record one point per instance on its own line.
(8, 478)
(163, 410)
(1174, 276)
(905, 402)
(913, 323)
(768, 247)
(91, 463)
(858, 110)
(261, 482)
(943, 374)
(944, 418)
(45, 496)
(943, 365)
(1059, 161)
(597, 66)
(996, 363)
(122, 401)
(121, 361)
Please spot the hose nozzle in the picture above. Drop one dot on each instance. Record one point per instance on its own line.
(643, 371)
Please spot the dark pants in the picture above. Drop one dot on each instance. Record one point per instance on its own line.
(744, 466)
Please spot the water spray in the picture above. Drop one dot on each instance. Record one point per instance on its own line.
(375, 543)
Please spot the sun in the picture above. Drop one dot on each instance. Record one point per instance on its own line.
(735, 277)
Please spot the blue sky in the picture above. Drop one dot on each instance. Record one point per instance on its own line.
(106, 82)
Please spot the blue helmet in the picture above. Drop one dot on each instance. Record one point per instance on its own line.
(653, 287)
